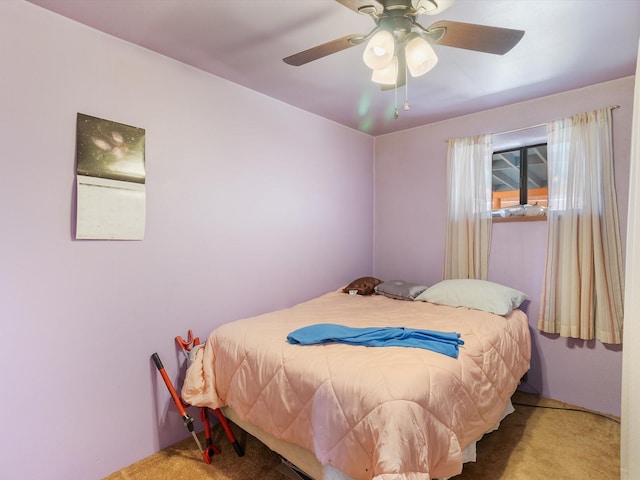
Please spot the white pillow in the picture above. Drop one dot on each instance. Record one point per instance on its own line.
(477, 294)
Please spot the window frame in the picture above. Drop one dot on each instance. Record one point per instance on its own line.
(523, 179)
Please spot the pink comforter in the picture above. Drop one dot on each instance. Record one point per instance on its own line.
(389, 413)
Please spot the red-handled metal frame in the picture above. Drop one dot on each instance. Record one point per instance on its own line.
(209, 450)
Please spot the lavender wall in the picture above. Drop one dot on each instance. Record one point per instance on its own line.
(410, 216)
(252, 205)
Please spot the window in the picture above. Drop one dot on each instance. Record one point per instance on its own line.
(520, 176)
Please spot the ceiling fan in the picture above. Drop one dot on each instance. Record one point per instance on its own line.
(390, 55)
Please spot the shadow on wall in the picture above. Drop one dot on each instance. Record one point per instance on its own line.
(574, 343)
(533, 381)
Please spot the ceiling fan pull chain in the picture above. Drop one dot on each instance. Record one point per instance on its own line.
(396, 114)
(406, 89)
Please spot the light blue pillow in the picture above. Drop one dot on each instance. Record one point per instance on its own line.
(477, 294)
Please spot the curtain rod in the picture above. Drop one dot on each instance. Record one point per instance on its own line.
(611, 107)
(519, 129)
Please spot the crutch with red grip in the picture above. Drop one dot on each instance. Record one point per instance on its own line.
(210, 449)
(186, 346)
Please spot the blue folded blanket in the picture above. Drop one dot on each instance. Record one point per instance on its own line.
(442, 342)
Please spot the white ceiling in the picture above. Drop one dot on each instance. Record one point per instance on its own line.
(568, 44)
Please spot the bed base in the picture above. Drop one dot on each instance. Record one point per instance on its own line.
(305, 461)
(298, 456)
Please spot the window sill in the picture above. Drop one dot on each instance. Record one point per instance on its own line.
(536, 218)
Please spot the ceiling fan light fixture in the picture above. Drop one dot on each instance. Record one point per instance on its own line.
(388, 75)
(379, 52)
(420, 56)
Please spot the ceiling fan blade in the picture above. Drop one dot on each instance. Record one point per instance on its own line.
(357, 5)
(323, 50)
(470, 36)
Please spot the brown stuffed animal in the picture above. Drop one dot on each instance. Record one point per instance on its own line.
(364, 285)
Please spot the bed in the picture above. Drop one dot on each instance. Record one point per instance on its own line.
(358, 412)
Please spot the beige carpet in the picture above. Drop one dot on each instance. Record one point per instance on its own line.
(531, 444)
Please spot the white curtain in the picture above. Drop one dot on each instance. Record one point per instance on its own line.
(583, 284)
(469, 207)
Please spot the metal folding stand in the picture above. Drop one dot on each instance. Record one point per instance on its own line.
(209, 450)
